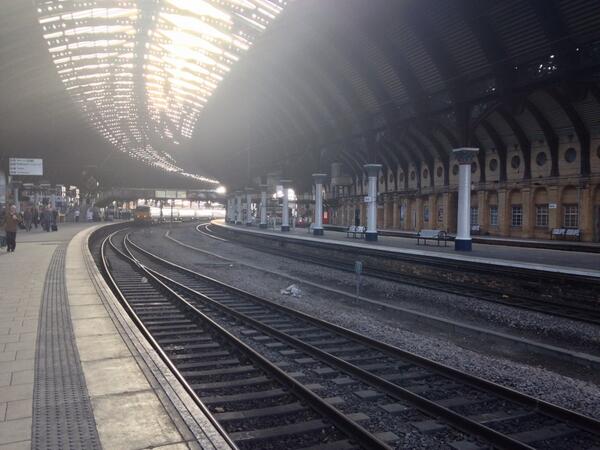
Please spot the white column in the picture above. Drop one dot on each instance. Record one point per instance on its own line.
(238, 214)
(17, 202)
(371, 200)
(230, 210)
(464, 157)
(263, 206)
(249, 218)
(285, 213)
(318, 224)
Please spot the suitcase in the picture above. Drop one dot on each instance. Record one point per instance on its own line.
(54, 227)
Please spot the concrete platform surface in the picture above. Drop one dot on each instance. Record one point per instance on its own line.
(577, 263)
(56, 307)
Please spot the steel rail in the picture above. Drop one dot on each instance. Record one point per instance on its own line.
(554, 411)
(352, 429)
(585, 315)
(157, 348)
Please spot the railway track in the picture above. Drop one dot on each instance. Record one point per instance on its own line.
(390, 378)
(254, 402)
(528, 302)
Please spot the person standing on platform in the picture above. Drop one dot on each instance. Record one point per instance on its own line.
(35, 216)
(55, 220)
(46, 219)
(10, 224)
(27, 218)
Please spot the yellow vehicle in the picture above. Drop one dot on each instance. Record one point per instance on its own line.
(142, 216)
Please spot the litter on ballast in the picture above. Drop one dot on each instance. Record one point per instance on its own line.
(292, 290)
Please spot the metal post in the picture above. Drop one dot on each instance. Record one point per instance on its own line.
(249, 218)
(318, 225)
(465, 157)
(371, 200)
(285, 213)
(263, 206)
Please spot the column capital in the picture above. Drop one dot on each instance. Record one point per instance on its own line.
(372, 169)
(465, 155)
(319, 177)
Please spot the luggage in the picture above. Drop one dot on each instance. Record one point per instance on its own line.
(2, 241)
(21, 225)
(54, 227)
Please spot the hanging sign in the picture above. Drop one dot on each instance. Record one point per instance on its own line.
(25, 166)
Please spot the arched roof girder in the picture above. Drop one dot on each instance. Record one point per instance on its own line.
(473, 13)
(427, 157)
(442, 153)
(427, 34)
(549, 135)
(500, 145)
(524, 142)
(583, 134)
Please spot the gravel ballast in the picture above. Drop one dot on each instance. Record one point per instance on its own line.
(540, 382)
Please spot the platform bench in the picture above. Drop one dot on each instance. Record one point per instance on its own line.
(356, 231)
(566, 233)
(435, 235)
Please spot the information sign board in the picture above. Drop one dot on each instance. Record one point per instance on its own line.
(25, 166)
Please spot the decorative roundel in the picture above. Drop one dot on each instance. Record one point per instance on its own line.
(570, 155)
(541, 158)
(473, 167)
(493, 164)
(425, 173)
(455, 169)
(412, 175)
(515, 162)
(440, 171)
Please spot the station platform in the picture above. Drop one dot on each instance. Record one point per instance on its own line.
(74, 370)
(529, 258)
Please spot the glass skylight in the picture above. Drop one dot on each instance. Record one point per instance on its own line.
(143, 70)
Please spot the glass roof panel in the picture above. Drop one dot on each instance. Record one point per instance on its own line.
(143, 70)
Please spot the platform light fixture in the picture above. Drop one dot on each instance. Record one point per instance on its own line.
(143, 71)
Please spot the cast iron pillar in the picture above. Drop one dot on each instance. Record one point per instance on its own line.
(318, 225)
(263, 205)
(371, 201)
(285, 213)
(465, 157)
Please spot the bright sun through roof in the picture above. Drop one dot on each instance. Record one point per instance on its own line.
(143, 71)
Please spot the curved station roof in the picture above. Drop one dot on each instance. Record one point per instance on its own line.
(231, 89)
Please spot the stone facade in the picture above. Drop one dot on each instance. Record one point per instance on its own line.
(517, 207)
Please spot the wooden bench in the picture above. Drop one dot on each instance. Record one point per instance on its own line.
(566, 234)
(356, 231)
(435, 235)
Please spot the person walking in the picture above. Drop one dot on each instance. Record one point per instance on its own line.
(10, 224)
(27, 218)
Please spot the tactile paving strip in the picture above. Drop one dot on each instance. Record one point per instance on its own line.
(62, 412)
